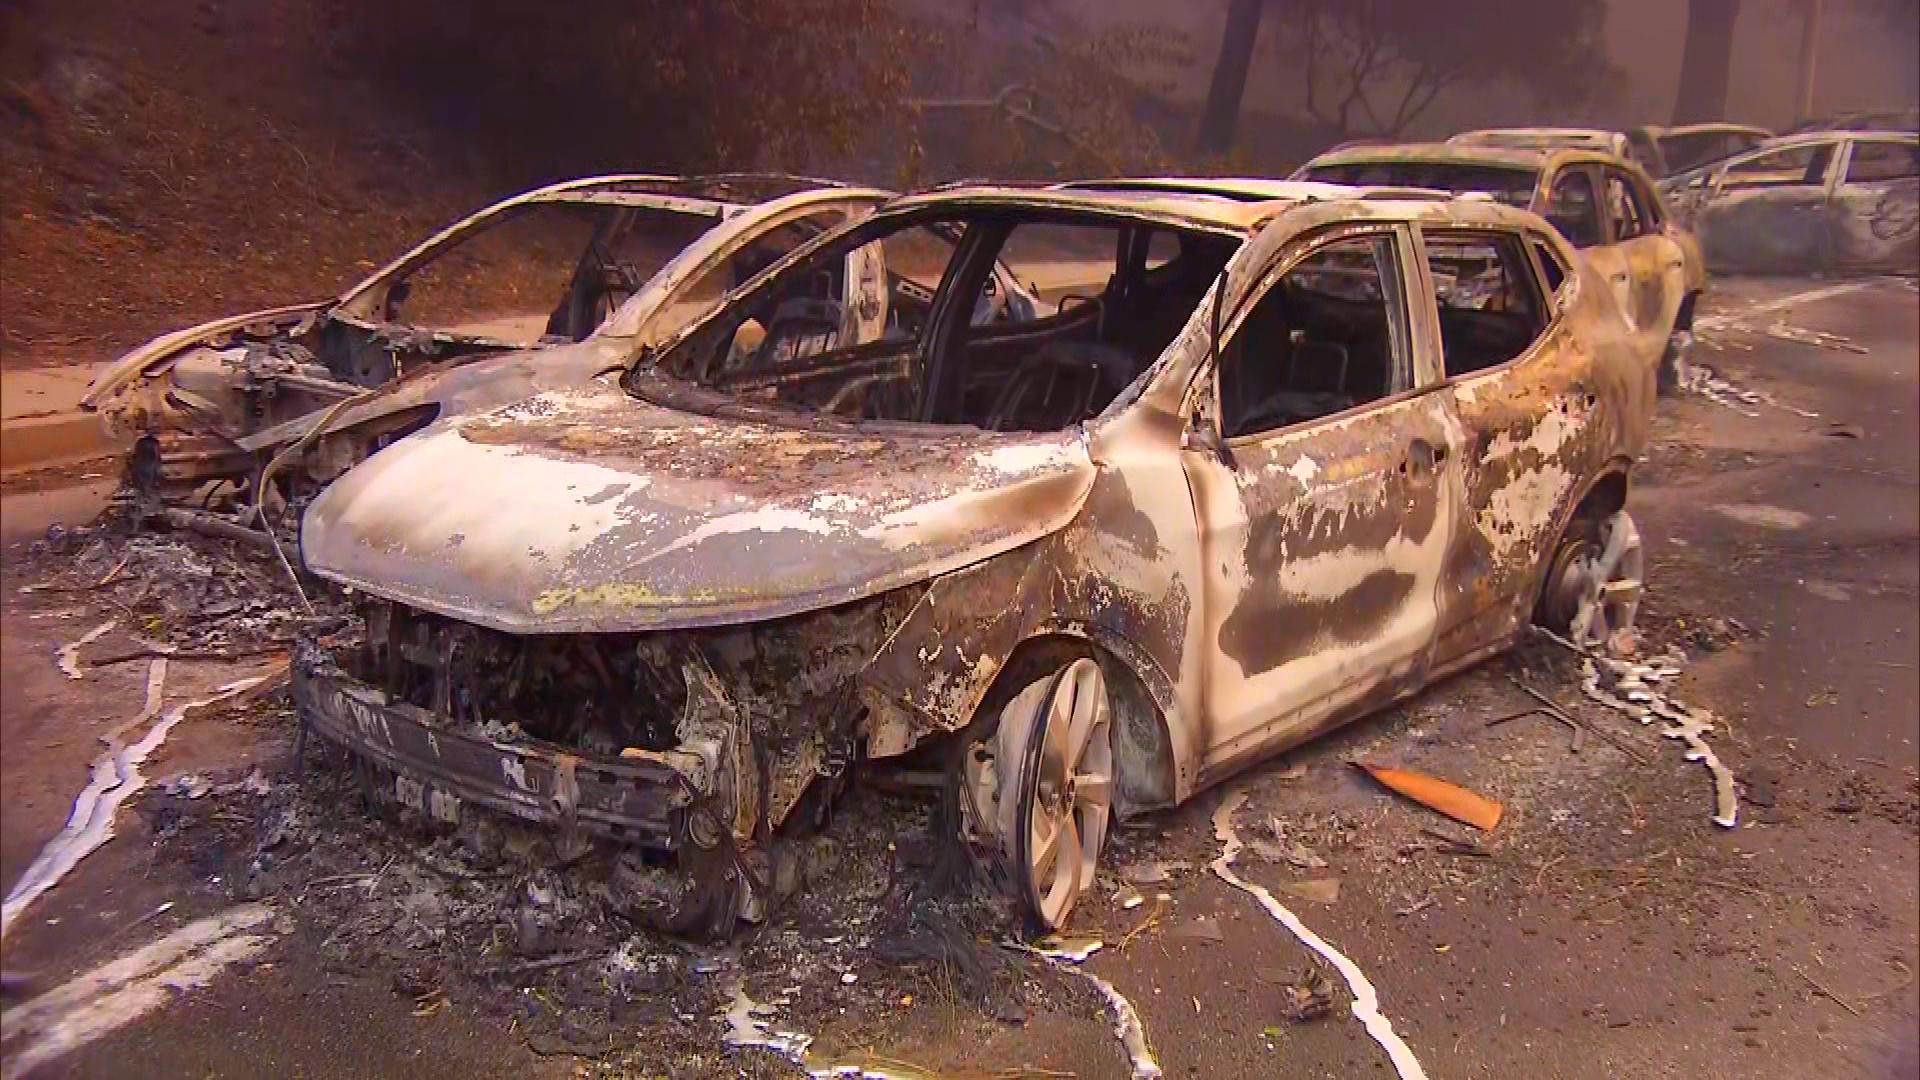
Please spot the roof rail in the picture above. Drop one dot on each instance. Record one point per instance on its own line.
(1434, 194)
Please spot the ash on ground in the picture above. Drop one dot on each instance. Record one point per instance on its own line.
(492, 916)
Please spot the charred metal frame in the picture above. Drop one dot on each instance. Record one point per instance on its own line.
(899, 583)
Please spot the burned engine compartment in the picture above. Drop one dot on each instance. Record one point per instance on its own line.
(704, 743)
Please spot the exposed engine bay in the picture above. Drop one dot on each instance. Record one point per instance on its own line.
(693, 752)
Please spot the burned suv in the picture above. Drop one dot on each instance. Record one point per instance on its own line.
(542, 289)
(1241, 471)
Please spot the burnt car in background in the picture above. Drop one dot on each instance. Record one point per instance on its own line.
(1663, 151)
(1604, 205)
(602, 265)
(1250, 469)
(1600, 140)
(1825, 202)
(1903, 118)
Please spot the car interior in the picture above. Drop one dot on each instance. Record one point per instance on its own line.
(1574, 209)
(1798, 166)
(1062, 312)
(1320, 341)
(1490, 309)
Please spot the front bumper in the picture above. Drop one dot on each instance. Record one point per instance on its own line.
(439, 771)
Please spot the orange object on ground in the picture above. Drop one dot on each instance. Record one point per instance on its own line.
(1450, 799)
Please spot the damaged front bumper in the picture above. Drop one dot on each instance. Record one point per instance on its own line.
(438, 771)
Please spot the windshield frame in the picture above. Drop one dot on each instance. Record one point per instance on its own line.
(646, 370)
(1530, 174)
(360, 304)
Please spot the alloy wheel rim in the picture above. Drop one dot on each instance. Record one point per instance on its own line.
(1607, 583)
(1071, 793)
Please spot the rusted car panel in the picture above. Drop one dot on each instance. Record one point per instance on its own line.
(253, 384)
(1840, 201)
(707, 570)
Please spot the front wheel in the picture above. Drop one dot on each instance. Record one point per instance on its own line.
(1042, 786)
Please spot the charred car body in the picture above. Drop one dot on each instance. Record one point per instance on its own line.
(601, 265)
(1604, 205)
(1663, 151)
(1247, 470)
(1830, 201)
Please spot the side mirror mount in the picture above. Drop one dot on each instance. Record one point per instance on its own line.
(397, 295)
(1202, 435)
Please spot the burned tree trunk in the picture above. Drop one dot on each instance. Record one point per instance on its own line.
(1705, 63)
(1230, 76)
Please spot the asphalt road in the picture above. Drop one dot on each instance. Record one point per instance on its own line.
(1608, 928)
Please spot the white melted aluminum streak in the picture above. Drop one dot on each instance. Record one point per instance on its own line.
(750, 1023)
(1628, 688)
(68, 656)
(1366, 1000)
(1700, 379)
(121, 991)
(116, 778)
(1684, 722)
(1068, 956)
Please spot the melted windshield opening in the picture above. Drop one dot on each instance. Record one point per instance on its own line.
(544, 272)
(1004, 320)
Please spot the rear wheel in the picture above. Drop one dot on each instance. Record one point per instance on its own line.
(1674, 367)
(1594, 585)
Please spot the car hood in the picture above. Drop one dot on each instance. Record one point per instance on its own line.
(587, 510)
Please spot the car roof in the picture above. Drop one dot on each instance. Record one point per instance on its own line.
(1718, 127)
(719, 189)
(1816, 138)
(1224, 206)
(719, 196)
(1249, 188)
(1438, 153)
(1452, 153)
(1571, 135)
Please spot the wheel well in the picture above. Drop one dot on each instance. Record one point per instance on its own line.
(1607, 497)
(1142, 747)
(1683, 319)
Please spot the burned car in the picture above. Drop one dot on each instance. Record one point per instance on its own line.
(594, 264)
(1829, 202)
(1248, 470)
(1663, 151)
(1617, 143)
(1603, 204)
(1902, 118)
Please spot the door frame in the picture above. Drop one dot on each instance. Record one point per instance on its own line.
(1418, 330)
